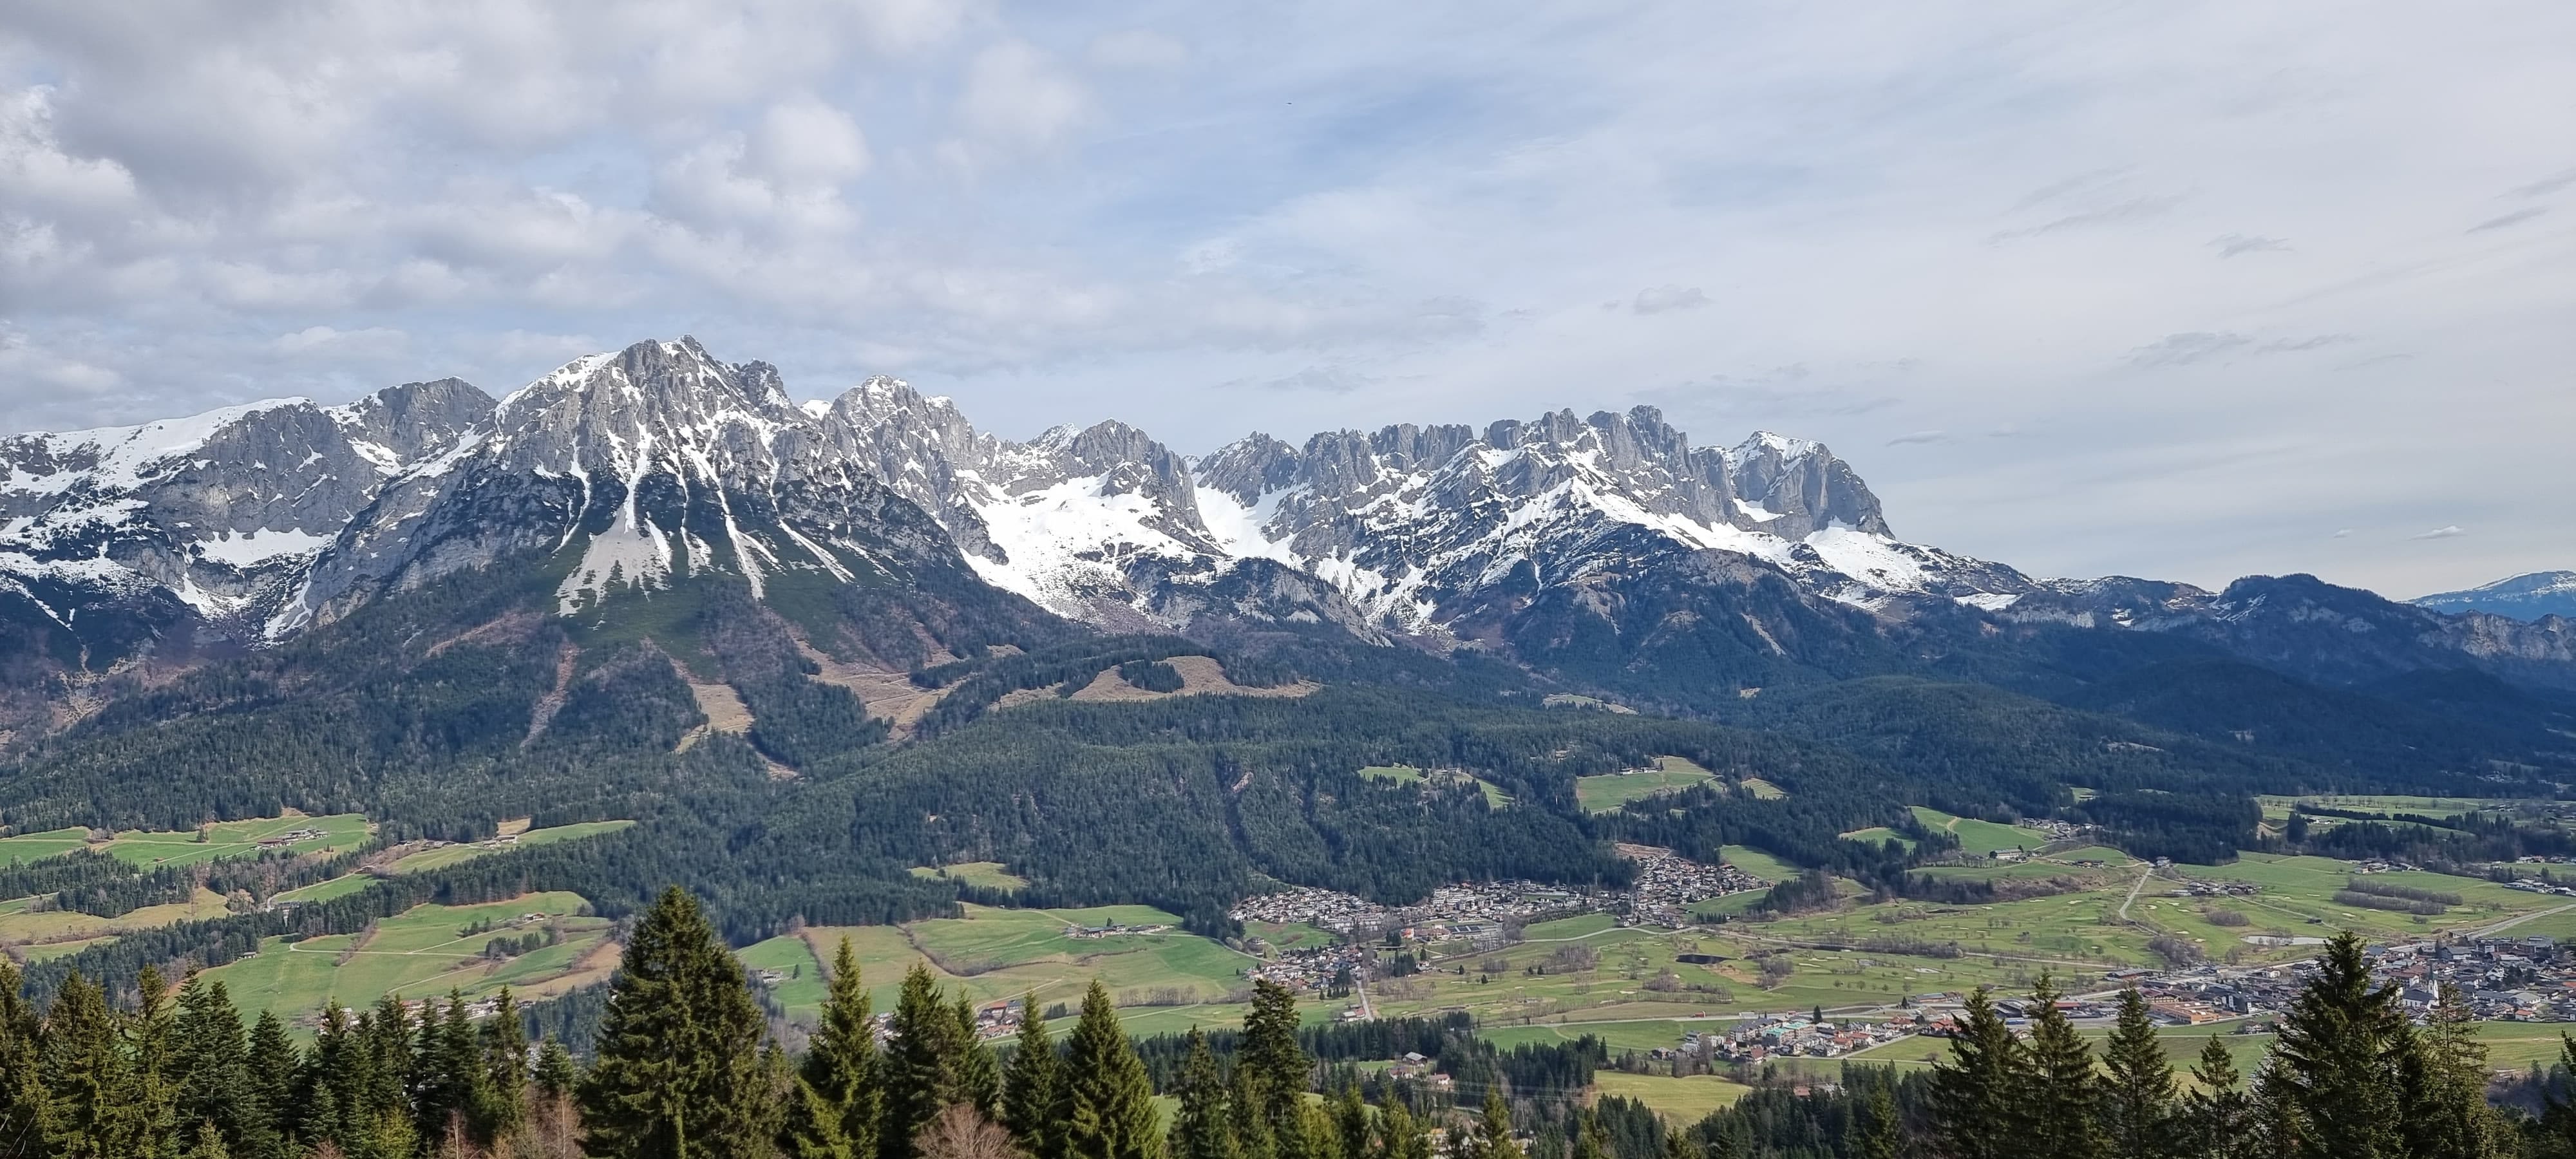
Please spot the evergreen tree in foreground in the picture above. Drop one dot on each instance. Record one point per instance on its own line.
(678, 1074)
(1107, 1102)
(2334, 1072)
(1199, 1127)
(1977, 1091)
(1029, 1086)
(2138, 1087)
(833, 1104)
(2217, 1117)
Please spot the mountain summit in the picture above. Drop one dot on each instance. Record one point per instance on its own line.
(1606, 548)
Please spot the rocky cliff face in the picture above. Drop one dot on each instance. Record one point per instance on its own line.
(210, 519)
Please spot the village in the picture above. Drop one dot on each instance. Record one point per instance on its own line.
(1666, 885)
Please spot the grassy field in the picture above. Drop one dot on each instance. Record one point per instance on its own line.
(447, 855)
(982, 874)
(1678, 1100)
(51, 843)
(1606, 793)
(237, 839)
(2298, 896)
(2278, 807)
(1763, 790)
(218, 840)
(998, 954)
(421, 954)
(37, 936)
(1757, 863)
(1879, 835)
(1408, 775)
(1977, 836)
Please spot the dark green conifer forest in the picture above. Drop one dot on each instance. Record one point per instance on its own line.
(686, 1067)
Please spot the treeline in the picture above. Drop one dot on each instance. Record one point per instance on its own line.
(2349, 1075)
(1531, 1074)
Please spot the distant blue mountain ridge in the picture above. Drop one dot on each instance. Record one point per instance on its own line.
(2524, 597)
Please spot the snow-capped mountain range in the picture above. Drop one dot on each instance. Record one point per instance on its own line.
(1609, 535)
(2523, 597)
(261, 519)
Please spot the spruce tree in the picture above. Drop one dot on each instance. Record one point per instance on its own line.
(1270, 1049)
(919, 1075)
(679, 1072)
(1400, 1136)
(2334, 1068)
(2138, 1085)
(1199, 1127)
(1588, 1141)
(1881, 1135)
(2443, 1075)
(26, 1108)
(1351, 1121)
(2217, 1118)
(271, 1069)
(833, 1105)
(1247, 1107)
(979, 1075)
(1308, 1134)
(505, 1070)
(211, 1075)
(452, 1086)
(149, 1032)
(1029, 1085)
(89, 1080)
(2556, 1130)
(1494, 1130)
(1679, 1145)
(1108, 1100)
(1977, 1092)
(2062, 1095)
(207, 1143)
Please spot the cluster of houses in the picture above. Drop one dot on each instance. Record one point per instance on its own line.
(290, 837)
(1789, 1036)
(2199, 888)
(1311, 969)
(2529, 885)
(1476, 911)
(2054, 829)
(1114, 931)
(2529, 979)
(1667, 884)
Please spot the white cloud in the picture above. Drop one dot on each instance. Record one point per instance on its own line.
(1945, 216)
(372, 342)
(1017, 96)
(2452, 531)
(1657, 299)
(804, 141)
(1137, 48)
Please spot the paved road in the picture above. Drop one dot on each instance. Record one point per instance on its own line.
(2132, 899)
(2509, 923)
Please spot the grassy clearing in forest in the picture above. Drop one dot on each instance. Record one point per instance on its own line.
(995, 954)
(424, 953)
(1495, 797)
(982, 874)
(1607, 792)
(447, 855)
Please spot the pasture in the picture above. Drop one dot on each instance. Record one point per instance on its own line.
(214, 842)
(1977, 836)
(446, 855)
(1495, 797)
(1166, 979)
(1681, 1101)
(1607, 792)
(981, 874)
(425, 953)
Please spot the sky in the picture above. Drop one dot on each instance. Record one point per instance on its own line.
(2177, 289)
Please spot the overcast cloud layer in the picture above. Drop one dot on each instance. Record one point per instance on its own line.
(2182, 290)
